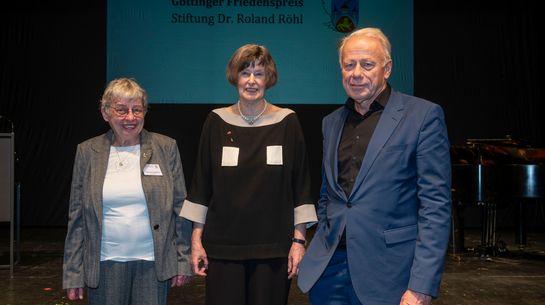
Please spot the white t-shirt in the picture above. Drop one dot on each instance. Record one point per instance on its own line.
(126, 230)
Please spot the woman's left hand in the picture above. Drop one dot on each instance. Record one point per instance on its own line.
(297, 251)
(180, 280)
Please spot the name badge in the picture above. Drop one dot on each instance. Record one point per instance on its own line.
(152, 170)
(229, 156)
(274, 155)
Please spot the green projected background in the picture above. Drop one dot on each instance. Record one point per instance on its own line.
(178, 49)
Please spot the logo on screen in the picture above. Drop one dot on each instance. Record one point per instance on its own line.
(344, 15)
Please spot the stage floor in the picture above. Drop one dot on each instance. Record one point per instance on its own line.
(514, 277)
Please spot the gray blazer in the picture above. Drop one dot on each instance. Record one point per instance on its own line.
(164, 196)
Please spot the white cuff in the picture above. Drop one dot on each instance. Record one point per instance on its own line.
(305, 213)
(194, 212)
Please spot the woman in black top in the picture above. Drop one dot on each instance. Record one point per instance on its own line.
(249, 199)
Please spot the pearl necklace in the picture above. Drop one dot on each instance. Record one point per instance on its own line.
(253, 118)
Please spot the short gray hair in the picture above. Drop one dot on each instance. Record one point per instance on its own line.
(123, 88)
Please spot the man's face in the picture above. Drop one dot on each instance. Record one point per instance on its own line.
(364, 72)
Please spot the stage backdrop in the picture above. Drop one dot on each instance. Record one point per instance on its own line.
(178, 49)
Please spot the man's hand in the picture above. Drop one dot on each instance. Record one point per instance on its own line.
(415, 298)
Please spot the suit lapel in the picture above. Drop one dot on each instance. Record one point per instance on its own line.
(390, 118)
(146, 152)
(332, 168)
(145, 149)
(99, 165)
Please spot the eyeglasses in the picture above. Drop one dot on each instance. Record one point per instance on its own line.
(122, 112)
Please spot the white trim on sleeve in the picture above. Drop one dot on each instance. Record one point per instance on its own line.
(305, 213)
(194, 212)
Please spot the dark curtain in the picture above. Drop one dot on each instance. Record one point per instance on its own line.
(479, 62)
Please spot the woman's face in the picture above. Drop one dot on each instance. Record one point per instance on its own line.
(126, 118)
(251, 83)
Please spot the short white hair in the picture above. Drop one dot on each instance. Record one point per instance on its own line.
(371, 33)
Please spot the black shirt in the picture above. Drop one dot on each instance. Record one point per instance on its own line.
(357, 132)
(250, 180)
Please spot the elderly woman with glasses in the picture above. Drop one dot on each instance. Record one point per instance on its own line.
(250, 195)
(126, 242)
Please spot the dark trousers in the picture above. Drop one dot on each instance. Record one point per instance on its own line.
(247, 282)
(128, 283)
(334, 287)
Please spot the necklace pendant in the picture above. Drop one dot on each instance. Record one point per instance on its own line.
(120, 163)
(251, 119)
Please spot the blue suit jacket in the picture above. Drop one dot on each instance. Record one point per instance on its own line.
(397, 217)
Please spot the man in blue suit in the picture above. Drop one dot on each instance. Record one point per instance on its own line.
(384, 208)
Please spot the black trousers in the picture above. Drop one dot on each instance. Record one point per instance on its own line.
(247, 282)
